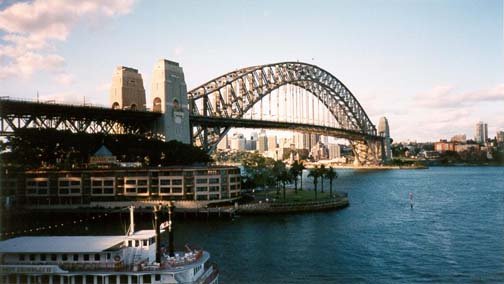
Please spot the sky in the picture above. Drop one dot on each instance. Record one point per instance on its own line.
(434, 68)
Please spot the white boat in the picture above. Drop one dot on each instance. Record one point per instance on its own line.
(132, 258)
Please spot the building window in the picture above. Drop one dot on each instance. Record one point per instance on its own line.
(32, 257)
(213, 180)
(75, 257)
(97, 257)
(54, 257)
(64, 257)
(22, 257)
(177, 182)
(86, 257)
(43, 257)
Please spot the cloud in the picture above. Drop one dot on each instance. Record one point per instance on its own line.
(446, 96)
(32, 28)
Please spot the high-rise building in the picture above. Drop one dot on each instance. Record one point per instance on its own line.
(500, 137)
(481, 132)
(272, 143)
(262, 142)
(384, 131)
(460, 138)
(314, 139)
(127, 90)
(238, 142)
(334, 151)
(224, 143)
(301, 140)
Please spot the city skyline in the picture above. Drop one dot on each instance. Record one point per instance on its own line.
(442, 76)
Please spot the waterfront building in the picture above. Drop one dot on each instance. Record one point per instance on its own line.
(88, 186)
(467, 147)
(443, 146)
(127, 90)
(481, 132)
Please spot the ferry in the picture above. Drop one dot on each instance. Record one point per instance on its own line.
(135, 257)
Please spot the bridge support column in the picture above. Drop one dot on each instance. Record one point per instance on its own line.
(367, 153)
(169, 96)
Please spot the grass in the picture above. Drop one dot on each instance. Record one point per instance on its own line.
(290, 195)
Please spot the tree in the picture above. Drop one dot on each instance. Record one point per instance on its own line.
(259, 169)
(315, 174)
(300, 166)
(331, 174)
(278, 170)
(295, 170)
(284, 178)
(322, 172)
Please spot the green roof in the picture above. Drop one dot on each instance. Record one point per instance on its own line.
(103, 152)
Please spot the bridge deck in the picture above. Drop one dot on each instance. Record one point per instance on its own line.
(252, 123)
(22, 108)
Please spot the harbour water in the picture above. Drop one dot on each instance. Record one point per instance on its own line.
(453, 234)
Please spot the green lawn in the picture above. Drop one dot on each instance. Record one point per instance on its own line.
(291, 196)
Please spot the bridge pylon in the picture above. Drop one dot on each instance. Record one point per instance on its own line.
(169, 96)
(368, 152)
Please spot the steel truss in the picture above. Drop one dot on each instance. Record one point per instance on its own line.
(19, 115)
(233, 94)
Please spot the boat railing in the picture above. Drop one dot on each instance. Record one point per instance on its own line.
(181, 260)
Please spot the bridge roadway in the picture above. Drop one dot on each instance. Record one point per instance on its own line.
(301, 127)
(17, 115)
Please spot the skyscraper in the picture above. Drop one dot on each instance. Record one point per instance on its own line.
(481, 132)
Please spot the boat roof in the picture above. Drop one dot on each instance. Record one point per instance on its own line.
(61, 244)
(142, 234)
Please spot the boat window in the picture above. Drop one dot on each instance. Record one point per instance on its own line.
(108, 256)
(97, 257)
(157, 277)
(86, 257)
(130, 243)
(145, 243)
(53, 257)
(22, 257)
(76, 257)
(42, 257)
(64, 257)
(32, 257)
(137, 243)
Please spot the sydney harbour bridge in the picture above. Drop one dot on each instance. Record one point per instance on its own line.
(288, 95)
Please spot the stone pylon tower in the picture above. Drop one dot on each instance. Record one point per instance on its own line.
(169, 96)
(127, 90)
(384, 131)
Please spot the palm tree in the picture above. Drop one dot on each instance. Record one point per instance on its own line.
(331, 174)
(278, 169)
(301, 167)
(322, 172)
(284, 178)
(294, 172)
(315, 173)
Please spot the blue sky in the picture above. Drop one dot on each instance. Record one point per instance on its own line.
(434, 68)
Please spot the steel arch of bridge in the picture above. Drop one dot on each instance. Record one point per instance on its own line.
(233, 94)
